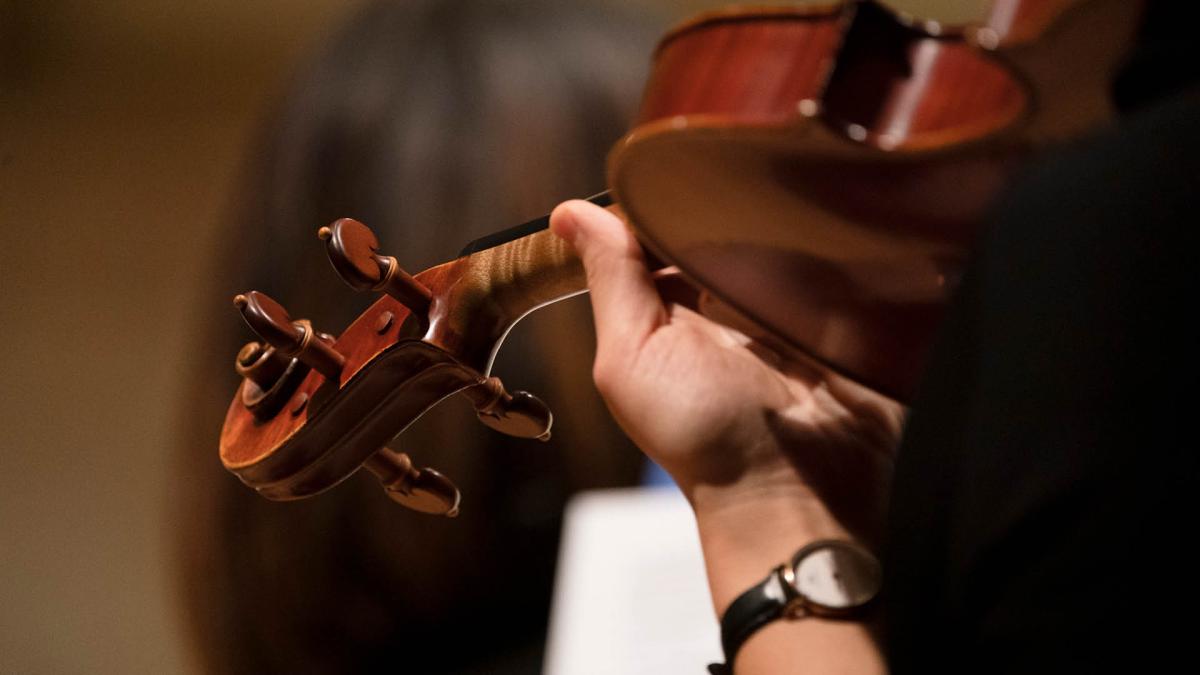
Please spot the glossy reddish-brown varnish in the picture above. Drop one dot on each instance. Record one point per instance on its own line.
(872, 144)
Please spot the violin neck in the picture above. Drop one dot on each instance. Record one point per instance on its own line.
(527, 266)
(603, 199)
(480, 296)
(521, 275)
(499, 280)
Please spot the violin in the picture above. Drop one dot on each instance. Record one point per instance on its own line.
(812, 176)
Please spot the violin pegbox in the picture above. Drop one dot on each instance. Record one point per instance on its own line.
(353, 250)
(313, 409)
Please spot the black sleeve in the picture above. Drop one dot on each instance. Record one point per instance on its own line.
(1044, 507)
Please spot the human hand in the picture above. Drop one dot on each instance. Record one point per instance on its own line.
(754, 442)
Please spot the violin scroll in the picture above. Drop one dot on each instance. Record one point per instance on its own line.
(270, 378)
(261, 364)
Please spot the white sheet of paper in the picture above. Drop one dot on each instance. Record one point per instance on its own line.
(631, 597)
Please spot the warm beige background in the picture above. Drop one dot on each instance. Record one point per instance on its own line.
(122, 126)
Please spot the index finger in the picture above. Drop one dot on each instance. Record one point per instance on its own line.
(626, 306)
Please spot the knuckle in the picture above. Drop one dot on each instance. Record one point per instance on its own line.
(606, 374)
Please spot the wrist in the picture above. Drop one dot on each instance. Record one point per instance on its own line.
(830, 585)
(744, 538)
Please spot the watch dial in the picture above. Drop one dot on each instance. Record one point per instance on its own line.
(837, 577)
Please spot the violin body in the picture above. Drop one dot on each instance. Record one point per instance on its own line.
(823, 171)
(818, 173)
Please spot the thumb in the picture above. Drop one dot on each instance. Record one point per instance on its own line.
(625, 303)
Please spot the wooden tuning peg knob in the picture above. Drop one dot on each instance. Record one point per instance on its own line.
(354, 252)
(293, 339)
(519, 414)
(423, 490)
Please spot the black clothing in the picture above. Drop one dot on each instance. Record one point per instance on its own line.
(1045, 490)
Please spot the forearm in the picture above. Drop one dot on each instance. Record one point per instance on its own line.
(743, 540)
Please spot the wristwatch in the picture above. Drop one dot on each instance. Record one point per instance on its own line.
(827, 578)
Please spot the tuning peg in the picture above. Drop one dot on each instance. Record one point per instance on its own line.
(353, 250)
(518, 414)
(423, 490)
(293, 339)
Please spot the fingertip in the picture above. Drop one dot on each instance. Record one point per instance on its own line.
(562, 223)
(564, 220)
(578, 219)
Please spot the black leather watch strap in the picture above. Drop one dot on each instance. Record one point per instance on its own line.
(828, 578)
(758, 606)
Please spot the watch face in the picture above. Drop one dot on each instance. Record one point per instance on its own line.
(836, 576)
